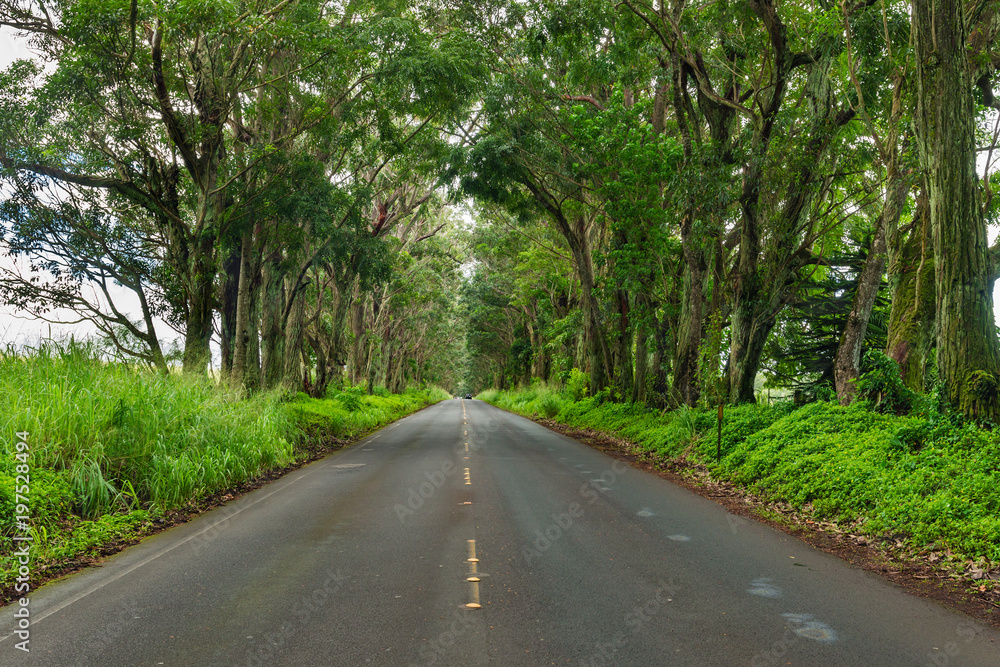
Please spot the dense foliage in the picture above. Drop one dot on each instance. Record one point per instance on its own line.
(680, 199)
(726, 196)
(262, 174)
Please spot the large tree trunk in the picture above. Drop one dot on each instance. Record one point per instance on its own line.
(576, 235)
(687, 384)
(750, 331)
(356, 361)
(642, 302)
(661, 361)
(593, 331)
(293, 340)
(338, 332)
(622, 352)
(318, 389)
(201, 307)
(968, 351)
(912, 302)
(713, 380)
(747, 343)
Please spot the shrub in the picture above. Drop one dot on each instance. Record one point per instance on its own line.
(881, 385)
(549, 406)
(577, 384)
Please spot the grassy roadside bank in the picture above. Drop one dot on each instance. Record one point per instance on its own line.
(927, 483)
(111, 450)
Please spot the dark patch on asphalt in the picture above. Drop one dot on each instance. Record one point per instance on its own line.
(887, 559)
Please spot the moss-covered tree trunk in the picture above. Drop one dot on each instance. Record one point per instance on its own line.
(645, 316)
(621, 351)
(593, 331)
(661, 364)
(968, 351)
(687, 383)
(911, 293)
(201, 308)
(294, 340)
(356, 361)
(272, 331)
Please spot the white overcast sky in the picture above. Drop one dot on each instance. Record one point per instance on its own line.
(16, 326)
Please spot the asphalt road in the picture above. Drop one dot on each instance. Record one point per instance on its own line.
(364, 558)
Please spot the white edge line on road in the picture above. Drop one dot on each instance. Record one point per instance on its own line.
(102, 584)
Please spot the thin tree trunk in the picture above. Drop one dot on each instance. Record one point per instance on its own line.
(227, 310)
(272, 335)
(847, 363)
(242, 333)
(252, 373)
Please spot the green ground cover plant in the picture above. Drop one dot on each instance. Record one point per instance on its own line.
(113, 446)
(931, 480)
(348, 412)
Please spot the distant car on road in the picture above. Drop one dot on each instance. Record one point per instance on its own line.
(468, 395)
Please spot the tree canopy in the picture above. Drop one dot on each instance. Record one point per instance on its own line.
(681, 201)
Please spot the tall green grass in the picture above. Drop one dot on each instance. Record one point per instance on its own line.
(121, 437)
(348, 412)
(112, 445)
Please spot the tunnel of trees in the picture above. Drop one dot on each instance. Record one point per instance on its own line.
(674, 200)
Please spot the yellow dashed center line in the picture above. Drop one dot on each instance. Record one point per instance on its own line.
(473, 577)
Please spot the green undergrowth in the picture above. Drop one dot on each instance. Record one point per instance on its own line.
(350, 412)
(112, 447)
(930, 480)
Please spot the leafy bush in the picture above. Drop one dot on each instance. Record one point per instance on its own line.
(549, 406)
(577, 384)
(346, 418)
(881, 385)
(490, 395)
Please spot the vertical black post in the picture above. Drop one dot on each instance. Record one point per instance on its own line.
(718, 444)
